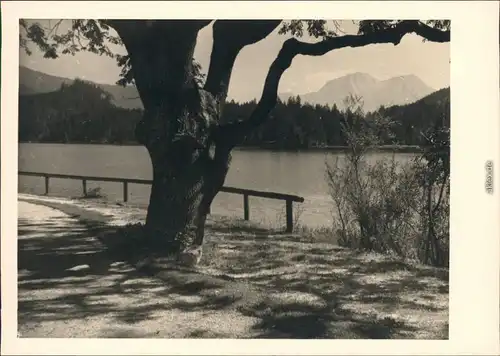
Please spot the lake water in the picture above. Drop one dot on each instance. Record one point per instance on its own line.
(298, 173)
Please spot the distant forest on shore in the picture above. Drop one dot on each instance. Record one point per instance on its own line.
(82, 112)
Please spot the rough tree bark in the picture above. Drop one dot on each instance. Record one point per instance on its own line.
(180, 122)
(189, 149)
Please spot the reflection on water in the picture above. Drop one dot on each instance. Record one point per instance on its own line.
(298, 173)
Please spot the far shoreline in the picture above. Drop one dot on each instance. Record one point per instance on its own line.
(269, 148)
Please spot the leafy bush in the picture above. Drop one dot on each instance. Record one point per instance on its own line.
(434, 179)
(389, 206)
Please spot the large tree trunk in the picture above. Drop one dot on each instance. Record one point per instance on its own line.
(185, 183)
(189, 167)
(178, 128)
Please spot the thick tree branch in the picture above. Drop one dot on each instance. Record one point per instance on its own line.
(234, 133)
(135, 28)
(161, 57)
(229, 38)
(159, 49)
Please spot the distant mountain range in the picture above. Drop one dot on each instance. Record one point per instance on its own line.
(375, 93)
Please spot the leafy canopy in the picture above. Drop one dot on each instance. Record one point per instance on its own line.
(97, 36)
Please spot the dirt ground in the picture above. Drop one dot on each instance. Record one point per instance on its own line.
(274, 285)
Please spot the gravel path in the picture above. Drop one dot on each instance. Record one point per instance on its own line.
(68, 287)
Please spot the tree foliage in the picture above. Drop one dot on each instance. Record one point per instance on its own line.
(97, 36)
(77, 113)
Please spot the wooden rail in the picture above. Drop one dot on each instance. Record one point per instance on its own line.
(289, 199)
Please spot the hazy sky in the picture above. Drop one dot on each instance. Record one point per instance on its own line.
(429, 61)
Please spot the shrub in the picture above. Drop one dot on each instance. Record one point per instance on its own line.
(388, 206)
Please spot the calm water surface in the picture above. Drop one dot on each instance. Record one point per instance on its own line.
(299, 173)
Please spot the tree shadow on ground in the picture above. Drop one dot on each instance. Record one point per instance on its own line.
(362, 295)
(67, 279)
(268, 287)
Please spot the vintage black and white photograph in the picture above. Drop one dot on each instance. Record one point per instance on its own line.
(220, 177)
(234, 178)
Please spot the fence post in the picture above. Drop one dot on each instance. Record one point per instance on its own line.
(289, 215)
(246, 210)
(84, 187)
(125, 191)
(46, 185)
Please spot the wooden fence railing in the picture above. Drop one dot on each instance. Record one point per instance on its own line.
(289, 199)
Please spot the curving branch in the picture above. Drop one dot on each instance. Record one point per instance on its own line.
(229, 38)
(234, 133)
